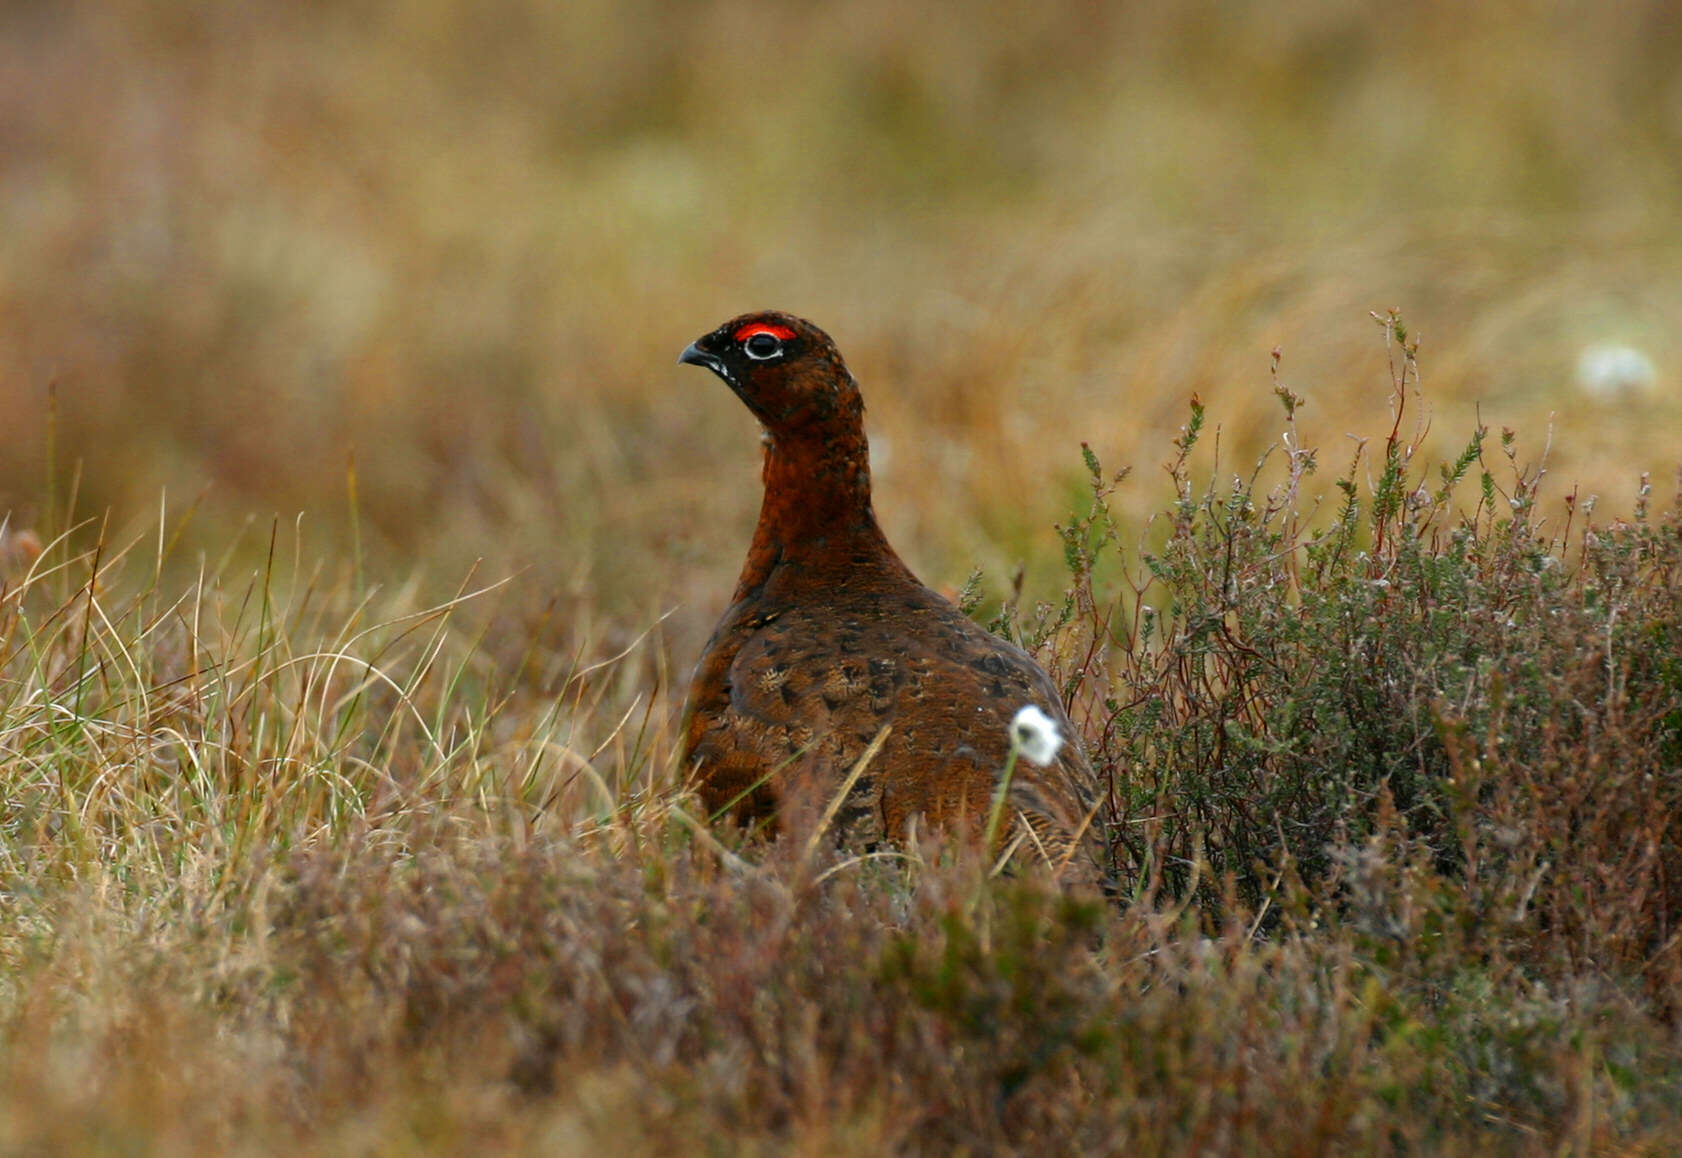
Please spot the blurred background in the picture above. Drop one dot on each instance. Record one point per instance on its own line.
(463, 242)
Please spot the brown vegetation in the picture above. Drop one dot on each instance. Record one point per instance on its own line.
(316, 836)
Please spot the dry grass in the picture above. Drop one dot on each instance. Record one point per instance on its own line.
(317, 834)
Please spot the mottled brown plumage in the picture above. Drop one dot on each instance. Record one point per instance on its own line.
(830, 637)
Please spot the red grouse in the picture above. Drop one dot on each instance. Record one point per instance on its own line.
(830, 637)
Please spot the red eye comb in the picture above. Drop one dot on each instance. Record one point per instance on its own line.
(752, 328)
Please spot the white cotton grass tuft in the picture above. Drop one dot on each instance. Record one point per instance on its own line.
(1035, 735)
(1614, 370)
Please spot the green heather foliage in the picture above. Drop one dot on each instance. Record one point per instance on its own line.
(1432, 664)
(291, 864)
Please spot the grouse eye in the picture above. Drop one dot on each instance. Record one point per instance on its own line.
(762, 346)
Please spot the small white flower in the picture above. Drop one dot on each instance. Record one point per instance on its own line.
(1610, 370)
(1035, 735)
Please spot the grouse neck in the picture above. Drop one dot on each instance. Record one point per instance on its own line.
(817, 512)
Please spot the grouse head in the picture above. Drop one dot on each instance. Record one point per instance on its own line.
(788, 373)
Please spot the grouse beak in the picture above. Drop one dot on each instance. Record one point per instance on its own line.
(695, 356)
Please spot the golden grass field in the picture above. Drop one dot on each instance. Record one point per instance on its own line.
(315, 317)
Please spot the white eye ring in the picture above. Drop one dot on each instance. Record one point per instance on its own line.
(762, 346)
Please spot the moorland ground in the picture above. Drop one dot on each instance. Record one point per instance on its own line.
(336, 735)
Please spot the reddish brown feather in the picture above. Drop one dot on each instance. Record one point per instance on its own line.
(830, 637)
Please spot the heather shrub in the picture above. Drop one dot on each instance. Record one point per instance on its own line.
(1433, 665)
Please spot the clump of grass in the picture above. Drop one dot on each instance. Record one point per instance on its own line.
(249, 714)
(1394, 806)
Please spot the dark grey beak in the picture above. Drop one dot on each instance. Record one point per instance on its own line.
(695, 356)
